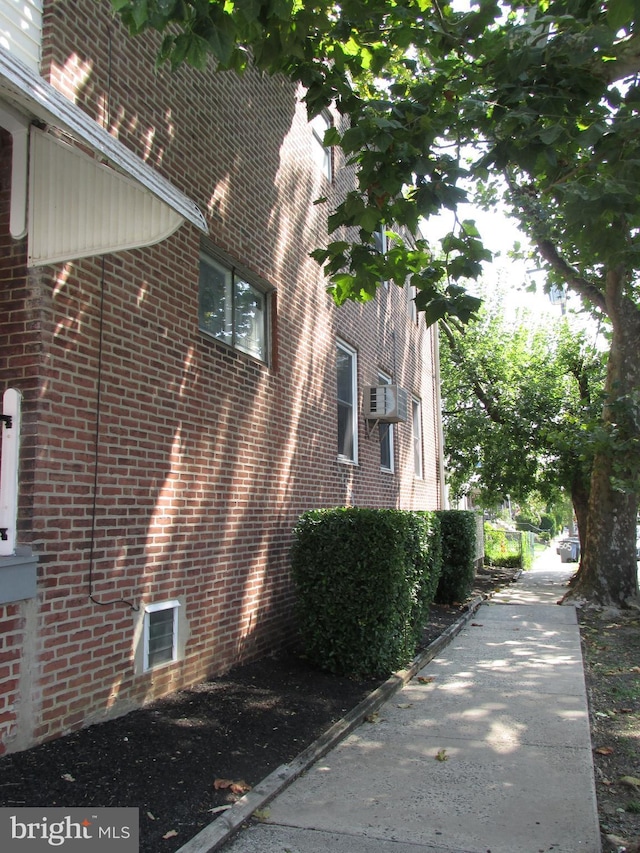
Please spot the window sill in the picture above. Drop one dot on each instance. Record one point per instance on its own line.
(18, 576)
(236, 351)
(344, 460)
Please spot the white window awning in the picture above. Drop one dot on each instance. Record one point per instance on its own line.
(78, 207)
(25, 93)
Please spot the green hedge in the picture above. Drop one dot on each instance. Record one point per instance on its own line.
(548, 524)
(458, 532)
(365, 579)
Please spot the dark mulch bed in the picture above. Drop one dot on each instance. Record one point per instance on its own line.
(611, 653)
(165, 758)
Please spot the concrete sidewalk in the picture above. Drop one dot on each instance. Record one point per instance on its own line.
(487, 749)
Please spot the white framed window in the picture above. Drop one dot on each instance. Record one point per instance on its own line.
(385, 431)
(347, 396)
(231, 309)
(412, 291)
(160, 633)
(380, 242)
(323, 153)
(416, 430)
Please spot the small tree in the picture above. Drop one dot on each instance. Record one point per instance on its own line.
(519, 415)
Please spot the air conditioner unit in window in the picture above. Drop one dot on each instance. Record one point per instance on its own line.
(386, 403)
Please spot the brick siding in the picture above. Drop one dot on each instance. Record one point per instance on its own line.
(202, 457)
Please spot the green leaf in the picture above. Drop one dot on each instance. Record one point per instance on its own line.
(319, 255)
(369, 220)
(620, 13)
(353, 139)
(180, 50)
(332, 137)
(550, 134)
(197, 53)
(139, 13)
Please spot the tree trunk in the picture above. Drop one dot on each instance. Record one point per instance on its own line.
(608, 571)
(580, 502)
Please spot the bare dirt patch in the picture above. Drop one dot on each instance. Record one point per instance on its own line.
(611, 651)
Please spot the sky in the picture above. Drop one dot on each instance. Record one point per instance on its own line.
(499, 234)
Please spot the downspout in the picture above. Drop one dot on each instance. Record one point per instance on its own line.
(444, 501)
(18, 127)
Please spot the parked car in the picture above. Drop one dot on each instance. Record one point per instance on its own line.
(569, 549)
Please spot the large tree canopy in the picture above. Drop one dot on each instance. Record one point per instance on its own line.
(521, 403)
(534, 102)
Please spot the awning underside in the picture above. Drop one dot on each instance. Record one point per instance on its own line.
(79, 206)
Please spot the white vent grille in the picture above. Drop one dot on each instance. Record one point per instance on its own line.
(387, 403)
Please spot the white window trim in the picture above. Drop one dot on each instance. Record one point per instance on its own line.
(239, 273)
(382, 244)
(387, 428)
(416, 435)
(319, 126)
(354, 397)
(154, 608)
(411, 302)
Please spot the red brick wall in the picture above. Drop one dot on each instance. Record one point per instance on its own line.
(202, 457)
(20, 337)
(11, 630)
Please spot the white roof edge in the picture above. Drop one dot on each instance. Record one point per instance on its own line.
(31, 93)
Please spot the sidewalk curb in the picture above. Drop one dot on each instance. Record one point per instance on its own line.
(220, 830)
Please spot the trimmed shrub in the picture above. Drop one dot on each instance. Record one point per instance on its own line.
(458, 533)
(523, 523)
(364, 582)
(548, 524)
(432, 544)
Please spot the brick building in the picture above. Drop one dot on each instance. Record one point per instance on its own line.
(181, 387)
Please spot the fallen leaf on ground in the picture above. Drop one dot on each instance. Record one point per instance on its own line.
(171, 834)
(372, 718)
(68, 777)
(262, 814)
(631, 781)
(441, 755)
(150, 816)
(240, 787)
(477, 625)
(218, 809)
(604, 750)
(424, 680)
(405, 705)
